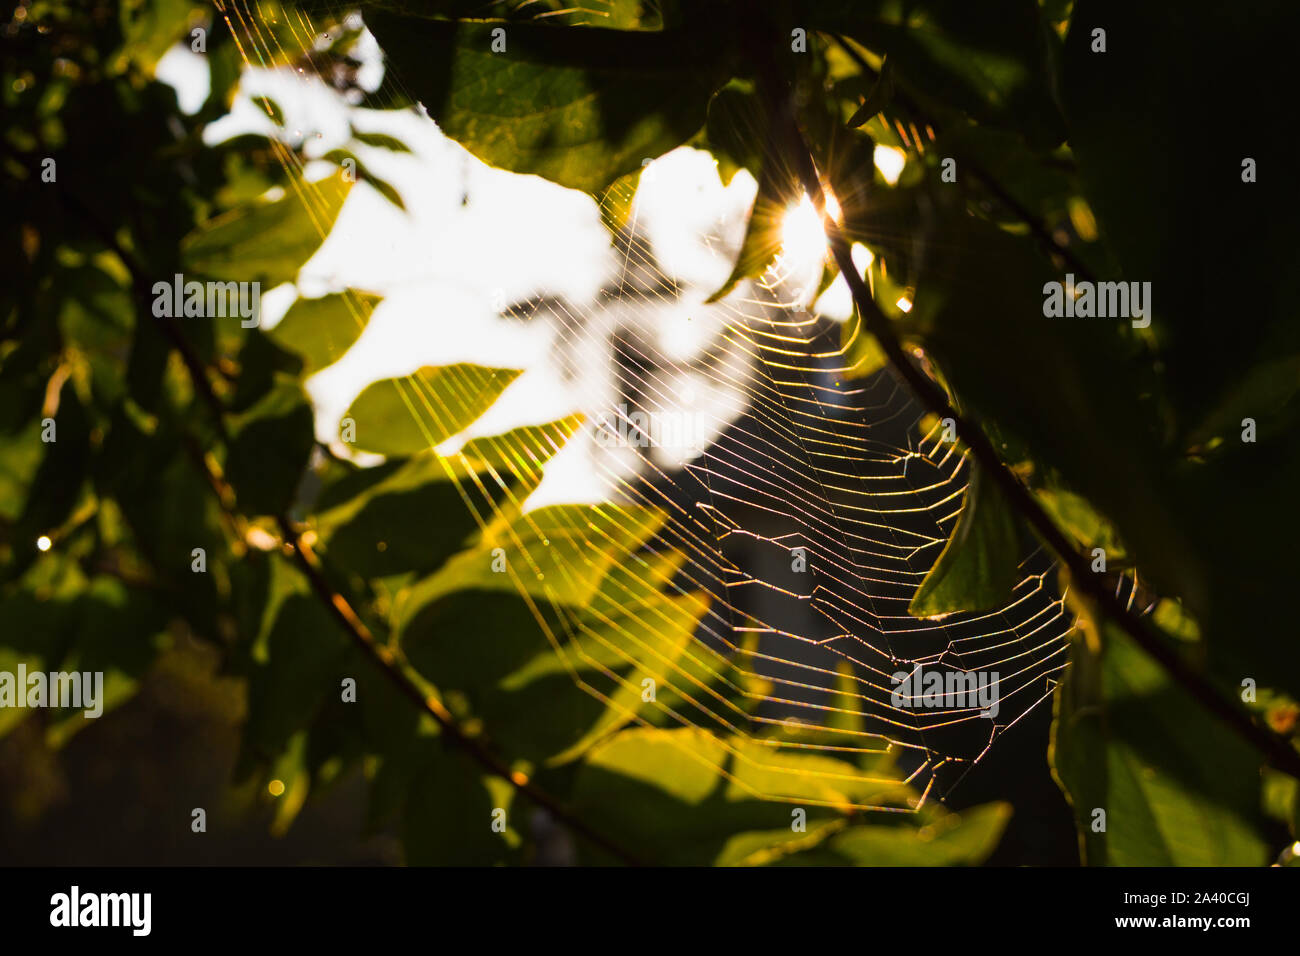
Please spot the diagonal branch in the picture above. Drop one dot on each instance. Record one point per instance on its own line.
(386, 660)
(1277, 750)
(383, 657)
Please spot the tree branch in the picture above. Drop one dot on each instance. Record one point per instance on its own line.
(385, 658)
(1277, 750)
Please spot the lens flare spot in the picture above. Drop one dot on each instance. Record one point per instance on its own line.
(890, 162)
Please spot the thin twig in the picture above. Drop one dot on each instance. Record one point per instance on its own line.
(1276, 749)
(385, 659)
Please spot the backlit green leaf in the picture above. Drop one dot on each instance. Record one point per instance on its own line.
(402, 416)
(265, 242)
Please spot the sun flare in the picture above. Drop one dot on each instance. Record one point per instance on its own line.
(803, 238)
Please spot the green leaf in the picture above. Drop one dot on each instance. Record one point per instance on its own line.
(560, 553)
(617, 200)
(762, 239)
(265, 242)
(40, 616)
(413, 515)
(522, 451)
(469, 642)
(737, 129)
(952, 839)
(380, 141)
(990, 61)
(1267, 393)
(513, 661)
(224, 67)
(646, 640)
(169, 507)
(863, 355)
(295, 662)
(449, 814)
(651, 781)
(117, 634)
(60, 480)
(1043, 183)
(262, 364)
(271, 108)
(737, 135)
(1282, 801)
(291, 769)
(584, 105)
(880, 96)
(366, 175)
(97, 317)
(398, 417)
(321, 330)
(1073, 515)
(151, 27)
(409, 519)
(957, 839)
(590, 652)
(977, 569)
(762, 767)
(1177, 787)
(1091, 421)
(269, 448)
(784, 847)
(20, 457)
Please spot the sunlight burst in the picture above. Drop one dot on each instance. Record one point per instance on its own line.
(803, 238)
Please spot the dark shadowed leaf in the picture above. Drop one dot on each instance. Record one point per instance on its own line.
(269, 448)
(578, 105)
(977, 569)
(450, 812)
(880, 95)
(989, 61)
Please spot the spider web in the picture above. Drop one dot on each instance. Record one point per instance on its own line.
(811, 519)
(809, 512)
